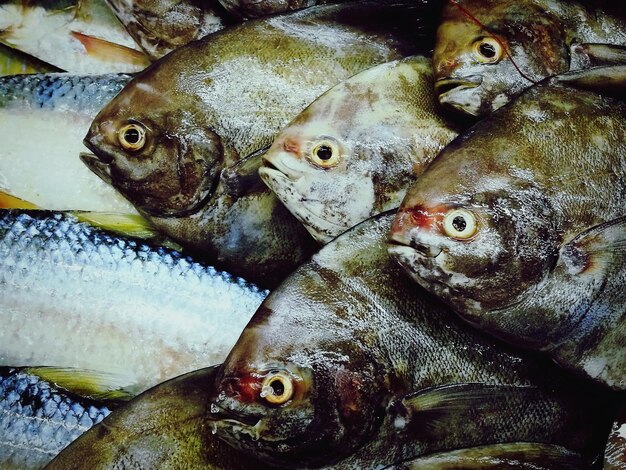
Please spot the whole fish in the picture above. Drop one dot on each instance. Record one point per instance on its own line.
(38, 418)
(347, 359)
(183, 140)
(44, 118)
(76, 36)
(488, 51)
(76, 296)
(165, 428)
(520, 225)
(160, 26)
(355, 150)
(246, 9)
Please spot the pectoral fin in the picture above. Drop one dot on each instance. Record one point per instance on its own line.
(11, 202)
(87, 383)
(106, 51)
(601, 54)
(131, 225)
(514, 455)
(243, 177)
(609, 80)
(434, 411)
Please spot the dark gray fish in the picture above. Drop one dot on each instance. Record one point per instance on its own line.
(183, 140)
(255, 8)
(346, 359)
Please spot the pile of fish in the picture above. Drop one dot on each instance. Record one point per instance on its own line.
(310, 234)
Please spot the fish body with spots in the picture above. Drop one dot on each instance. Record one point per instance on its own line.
(347, 364)
(520, 225)
(353, 152)
(488, 51)
(183, 140)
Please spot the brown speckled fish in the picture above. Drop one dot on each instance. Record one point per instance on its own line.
(520, 225)
(355, 150)
(182, 140)
(348, 359)
(488, 51)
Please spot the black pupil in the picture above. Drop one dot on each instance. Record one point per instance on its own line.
(131, 136)
(324, 152)
(277, 387)
(488, 51)
(459, 223)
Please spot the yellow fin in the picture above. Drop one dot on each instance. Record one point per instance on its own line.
(109, 52)
(131, 225)
(87, 383)
(14, 62)
(11, 202)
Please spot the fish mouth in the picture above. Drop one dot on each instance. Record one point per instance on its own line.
(95, 164)
(446, 86)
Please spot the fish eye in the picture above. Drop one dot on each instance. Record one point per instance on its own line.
(325, 154)
(277, 388)
(460, 224)
(132, 137)
(488, 50)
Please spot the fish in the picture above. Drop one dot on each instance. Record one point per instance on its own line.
(520, 225)
(74, 295)
(615, 452)
(184, 140)
(39, 417)
(488, 51)
(346, 361)
(82, 37)
(160, 26)
(354, 151)
(14, 62)
(164, 427)
(246, 9)
(40, 161)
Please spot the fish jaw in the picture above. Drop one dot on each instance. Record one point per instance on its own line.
(462, 94)
(103, 170)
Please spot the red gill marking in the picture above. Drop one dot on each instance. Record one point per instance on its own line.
(467, 13)
(248, 387)
(417, 217)
(291, 146)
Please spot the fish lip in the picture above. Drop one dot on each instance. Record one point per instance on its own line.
(446, 86)
(96, 165)
(274, 164)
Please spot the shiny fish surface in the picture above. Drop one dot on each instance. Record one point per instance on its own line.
(39, 419)
(76, 296)
(520, 225)
(182, 141)
(56, 110)
(346, 359)
(488, 51)
(355, 150)
(257, 8)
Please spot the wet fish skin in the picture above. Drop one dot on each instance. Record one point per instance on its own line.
(214, 104)
(74, 295)
(28, 104)
(39, 419)
(160, 26)
(165, 428)
(544, 179)
(384, 125)
(14, 62)
(253, 9)
(540, 37)
(354, 341)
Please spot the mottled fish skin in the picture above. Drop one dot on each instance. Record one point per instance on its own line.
(205, 107)
(56, 179)
(74, 295)
(383, 127)
(38, 419)
(350, 336)
(163, 428)
(160, 26)
(78, 37)
(537, 255)
(540, 37)
(246, 9)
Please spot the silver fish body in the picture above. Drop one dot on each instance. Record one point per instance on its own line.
(54, 110)
(75, 296)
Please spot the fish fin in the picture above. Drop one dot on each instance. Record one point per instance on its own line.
(11, 202)
(87, 383)
(511, 455)
(608, 80)
(110, 52)
(243, 177)
(596, 249)
(600, 54)
(433, 411)
(15, 62)
(131, 225)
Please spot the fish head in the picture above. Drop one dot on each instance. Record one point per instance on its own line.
(154, 149)
(488, 52)
(475, 233)
(291, 401)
